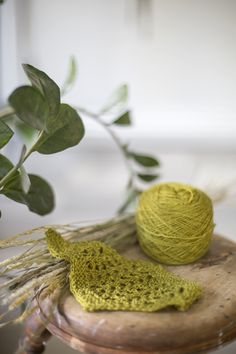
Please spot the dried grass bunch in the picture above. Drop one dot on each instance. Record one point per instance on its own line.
(25, 275)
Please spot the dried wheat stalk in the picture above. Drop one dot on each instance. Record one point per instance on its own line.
(24, 275)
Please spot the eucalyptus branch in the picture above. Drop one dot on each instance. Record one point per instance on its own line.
(129, 157)
(121, 147)
(23, 157)
(38, 107)
(6, 112)
(8, 176)
(32, 149)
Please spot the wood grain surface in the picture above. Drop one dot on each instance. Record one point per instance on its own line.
(210, 322)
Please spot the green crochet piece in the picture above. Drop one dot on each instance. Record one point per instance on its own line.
(101, 279)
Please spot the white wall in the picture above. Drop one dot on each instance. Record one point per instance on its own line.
(179, 61)
(178, 57)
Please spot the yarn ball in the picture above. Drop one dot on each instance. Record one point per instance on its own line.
(174, 223)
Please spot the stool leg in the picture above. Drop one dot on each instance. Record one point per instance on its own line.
(34, 337)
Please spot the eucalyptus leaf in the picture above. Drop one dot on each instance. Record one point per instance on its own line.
(5, 166)
(30, 106)
(147, 177)
(5, 134)
(46, 86)
(71, 77)
(39, 199)
(145, 160)
(117, 100)
(65, 132)
(124, 119)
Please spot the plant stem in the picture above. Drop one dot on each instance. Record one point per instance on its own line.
(19, 164)
(116, 139)
(7, 111)
(8, 176)
(29, 152)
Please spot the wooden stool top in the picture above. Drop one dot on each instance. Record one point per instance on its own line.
(209, 323)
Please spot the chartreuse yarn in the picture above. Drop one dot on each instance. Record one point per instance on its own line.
(102, 279)
(174, 223)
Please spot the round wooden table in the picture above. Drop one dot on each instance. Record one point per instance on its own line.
(209, 324)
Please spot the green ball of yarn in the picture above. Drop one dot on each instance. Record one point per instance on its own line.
(174, 223)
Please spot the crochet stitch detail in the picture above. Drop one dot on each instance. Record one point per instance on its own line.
(102, 279)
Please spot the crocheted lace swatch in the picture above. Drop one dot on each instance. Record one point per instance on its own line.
(102, 279)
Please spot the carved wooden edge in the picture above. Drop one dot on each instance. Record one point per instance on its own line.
(90, 348)
(35, 335)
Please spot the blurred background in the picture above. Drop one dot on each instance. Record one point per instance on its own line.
(177, 57)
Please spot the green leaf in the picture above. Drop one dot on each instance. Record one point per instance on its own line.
(48, 88)
(65, 132)
(124, 119)
(71, 77)
(117, 100)
(30, 106)
(5, 166)
(39, 199)
(145, 160)
(147, 177)
(5, 134)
